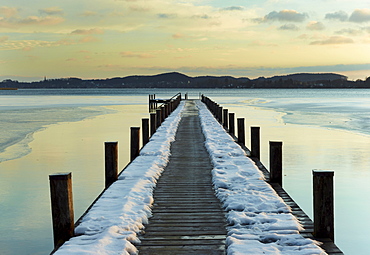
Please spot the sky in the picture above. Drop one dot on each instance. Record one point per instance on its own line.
(243, 38)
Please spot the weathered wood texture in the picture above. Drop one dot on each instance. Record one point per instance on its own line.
(61, 207)
(111, 162)
(187, 216)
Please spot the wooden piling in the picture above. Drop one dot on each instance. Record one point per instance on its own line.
(152, 123)
(232, 123)
(135, 142)
(276, 165)
(158, 118)
(226, 119)
(111, 163)
(241, 131)
(61, 207)
(255, 142)
(145, 130)
(323, 204)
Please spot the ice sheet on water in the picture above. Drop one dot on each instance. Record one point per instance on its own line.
(17, 126)
(259, 220)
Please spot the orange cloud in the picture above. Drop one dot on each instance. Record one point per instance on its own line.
(8, 12)
(130, 54)
(88, 31)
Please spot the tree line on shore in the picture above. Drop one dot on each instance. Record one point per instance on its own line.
(178, 80)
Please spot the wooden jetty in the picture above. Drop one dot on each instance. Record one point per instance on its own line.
(187, 218)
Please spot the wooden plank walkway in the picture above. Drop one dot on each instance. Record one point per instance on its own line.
(187, 216)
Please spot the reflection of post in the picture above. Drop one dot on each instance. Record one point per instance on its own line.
(226, 119)
(255, 142)
(135, 141)
(323, 204)
(61, 207)
(111, 163)
(241, 131)
(276, 165)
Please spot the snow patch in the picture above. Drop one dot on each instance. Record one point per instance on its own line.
(259, 220)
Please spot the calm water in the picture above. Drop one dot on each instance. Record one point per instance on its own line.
(47, 131)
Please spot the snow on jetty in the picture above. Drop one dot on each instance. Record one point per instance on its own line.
(112, 224)
(260, 221)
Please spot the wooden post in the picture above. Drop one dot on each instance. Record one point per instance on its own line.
(323, 204)
(255, 142)
(158, 118)
(145, 130)
(220, 110)
(62, 207)
(241, 131)
(226, 119)
(135, 142)
(232, 123)
(276, 162)
(152, 124)
(111, 163)
(163, 114)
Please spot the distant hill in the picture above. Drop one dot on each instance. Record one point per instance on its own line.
(309, 77)
(179, 80)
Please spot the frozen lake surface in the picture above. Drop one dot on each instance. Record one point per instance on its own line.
(43, 132)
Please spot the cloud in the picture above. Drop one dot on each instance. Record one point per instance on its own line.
(167, 15)
(51, 11)
(203, 16)
(88, 31)
(130, 54)
(232, 8)
(3, 38)
(8, 12)
(178, 36)
(360, 15)
(137, 8)
(291, 27)
(339, 15)
(89, 14)
(88, 39)
(333, 40)
(34, 20)
(350, 31)
(315, 25)
(284, 15)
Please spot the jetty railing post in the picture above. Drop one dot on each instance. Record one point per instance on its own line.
(61, 207)
(135, 142)
(163, 113)
(111, 163)
(276, 162)
(158, 118)
(226, 119)
(255, 142)
(323, 204)
(241, 131)
(219, 114)
(145, 130)
(232, 123)
(152, 123)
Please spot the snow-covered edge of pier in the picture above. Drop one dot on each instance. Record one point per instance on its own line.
(260, 222)
(112, 224)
